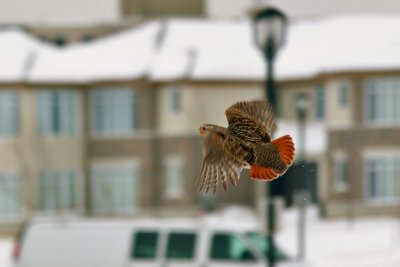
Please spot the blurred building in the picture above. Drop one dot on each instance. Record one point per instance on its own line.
(107, 128)
(302, 9)
(65, 22)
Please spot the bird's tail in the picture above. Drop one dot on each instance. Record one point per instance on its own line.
(286, 149)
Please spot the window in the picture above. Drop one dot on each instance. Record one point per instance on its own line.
(59, 191)
(382, 98)
(60, 41)
(174, 187)
(343, 91)
(10, 205)
(261, 243)
(181, 246)
(145, 245)
(383, 178)
(114, 111)
(174, 95)
(341, 179)
(229, 247)
(59, 112)
(115, 188)
(320, 102)
(87, 38)
(8, 113)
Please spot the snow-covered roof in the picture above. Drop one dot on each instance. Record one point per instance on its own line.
(210, 49)
(17, 51)
(224, 49)
(126, 55)
(206, 49)
(340, 43)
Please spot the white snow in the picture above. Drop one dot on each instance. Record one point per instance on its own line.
(340, 43)
(5, 252)
(367, 242)
(315, 135)
(221, 49)
(126, 55)
(17, 49)
(224, 49)
(207, 49)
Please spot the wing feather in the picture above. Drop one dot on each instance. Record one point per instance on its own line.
(251, 120)
(219, 163)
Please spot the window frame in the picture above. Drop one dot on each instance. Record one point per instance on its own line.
(79, 184)
(369, 87)
(320, 98)
(15, 131)
(182, 232)
(343, 92)
(339, 159)
(379, 154)
(174, 93)
(76, 115)
(113, 165)
(176, 162)
(109, 133)
(19, 188)
(254, 253)
(157, 250)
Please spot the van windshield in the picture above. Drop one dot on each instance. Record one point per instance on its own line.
(260, 242)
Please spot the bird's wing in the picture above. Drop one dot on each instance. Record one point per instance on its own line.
(251, 120)
(222, 161)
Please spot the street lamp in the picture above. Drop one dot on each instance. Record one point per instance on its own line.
(301, 104)
(269, 26)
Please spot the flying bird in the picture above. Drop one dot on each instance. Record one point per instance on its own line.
(245, 143)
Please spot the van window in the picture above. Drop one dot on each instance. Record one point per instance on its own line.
(230, 247)
(181, 245)
(145, 245)
(260, 242)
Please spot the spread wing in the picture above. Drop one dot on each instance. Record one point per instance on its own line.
(252, 121)
(223, 157)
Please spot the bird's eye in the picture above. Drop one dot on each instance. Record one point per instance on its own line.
(203, 128)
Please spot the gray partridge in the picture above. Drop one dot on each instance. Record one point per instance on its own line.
(246, 143)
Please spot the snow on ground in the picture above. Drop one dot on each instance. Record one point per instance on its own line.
(373, 242)
(5, 252)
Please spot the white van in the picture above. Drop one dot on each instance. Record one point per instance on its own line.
(200, 242)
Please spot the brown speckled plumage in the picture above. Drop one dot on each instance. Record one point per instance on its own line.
(246, 142)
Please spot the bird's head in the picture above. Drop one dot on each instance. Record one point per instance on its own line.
(205, 129)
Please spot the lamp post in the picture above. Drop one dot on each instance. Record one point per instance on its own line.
(302, 103)
(269, 33)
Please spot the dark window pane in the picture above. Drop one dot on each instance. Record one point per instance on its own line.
(345, 177)
(175, 100)
(320, 102)
(343, 95)
(145, 245)
(372, 178)
(261, 243)
(60, 41)
(56, 112)
(229, 247)
(181, 246)
(372, 105)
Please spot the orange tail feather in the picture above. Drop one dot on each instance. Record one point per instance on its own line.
(261, 173)
(286, 148)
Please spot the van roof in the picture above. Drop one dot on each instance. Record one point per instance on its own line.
(220, 221)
